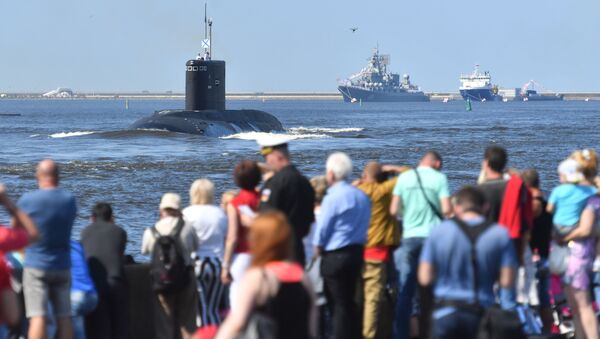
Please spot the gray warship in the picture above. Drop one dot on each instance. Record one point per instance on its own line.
(205, 112)
(375, 83)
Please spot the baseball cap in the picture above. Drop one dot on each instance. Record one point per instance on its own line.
(170, 200)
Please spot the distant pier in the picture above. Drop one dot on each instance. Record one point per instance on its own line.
(261, 96)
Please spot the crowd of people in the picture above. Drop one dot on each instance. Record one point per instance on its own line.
(392, 254)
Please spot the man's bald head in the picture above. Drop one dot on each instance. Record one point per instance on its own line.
(47, 173)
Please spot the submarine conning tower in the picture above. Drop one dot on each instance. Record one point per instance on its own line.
(205, 85)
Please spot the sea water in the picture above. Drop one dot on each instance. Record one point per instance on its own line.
(102, 160)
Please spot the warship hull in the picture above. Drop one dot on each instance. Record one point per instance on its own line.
(539, 97)
(351, 93)
(211, 123)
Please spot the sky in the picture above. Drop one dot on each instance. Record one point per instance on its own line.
(296, 46)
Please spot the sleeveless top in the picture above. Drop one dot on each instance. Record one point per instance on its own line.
(541, 234)
(252, 200)
(290, 306)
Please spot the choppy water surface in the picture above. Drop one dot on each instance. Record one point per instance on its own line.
(102, 160)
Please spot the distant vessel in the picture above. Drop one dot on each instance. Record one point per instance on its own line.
(478, 86)
(529, 93)
(375, 83)
(205, 112)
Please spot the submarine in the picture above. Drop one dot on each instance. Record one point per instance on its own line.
(205, 112)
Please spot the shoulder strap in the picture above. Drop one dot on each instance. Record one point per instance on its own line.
(431, 205)
(473, 233)
(175, 232)
(154, 232)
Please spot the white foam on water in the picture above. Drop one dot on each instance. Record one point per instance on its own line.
(257, 135)
(70, 134)
(303, 130)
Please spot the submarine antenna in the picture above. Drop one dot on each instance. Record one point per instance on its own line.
(210, 22)
(205, 20)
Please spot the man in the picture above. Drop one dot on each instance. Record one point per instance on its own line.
(423, 196)
(340, 235)
(383, 235)
(287, 191)
(104, 246)
(178, 301)
(447, 264)
(46, 274)
(509, 200)
(22, 233)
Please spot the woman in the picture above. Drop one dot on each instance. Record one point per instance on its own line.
(210, 225)
(580, 239)
(541, 235)
(236, 258)
(274, 286)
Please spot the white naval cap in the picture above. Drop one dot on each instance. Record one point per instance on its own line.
(269, 142)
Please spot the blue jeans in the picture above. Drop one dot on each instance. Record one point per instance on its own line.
(455, 324)
(82, 303)
(406, 260)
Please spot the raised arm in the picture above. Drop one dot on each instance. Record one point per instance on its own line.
(20, 219)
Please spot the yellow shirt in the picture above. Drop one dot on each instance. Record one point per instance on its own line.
(383, 229)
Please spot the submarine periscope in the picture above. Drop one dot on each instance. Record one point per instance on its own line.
(205, 112)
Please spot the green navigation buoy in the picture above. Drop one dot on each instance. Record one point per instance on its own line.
(468, 104)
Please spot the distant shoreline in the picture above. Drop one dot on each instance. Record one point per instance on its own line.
(259, 96)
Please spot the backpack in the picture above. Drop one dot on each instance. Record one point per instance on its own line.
(495, 323)
(168, 269)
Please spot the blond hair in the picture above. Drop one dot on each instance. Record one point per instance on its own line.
(319, 185)
(588, 162)
(202, 192)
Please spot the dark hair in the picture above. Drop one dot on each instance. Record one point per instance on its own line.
(470, 198)
(434, 154)
(531, 178)
(247, 174)
(496, 158)
(102, 211)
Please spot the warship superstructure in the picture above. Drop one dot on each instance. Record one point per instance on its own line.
(375, 83)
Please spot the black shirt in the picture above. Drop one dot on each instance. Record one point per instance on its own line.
(542, 231)
(104, 246)
(494, 194)
(291, 193)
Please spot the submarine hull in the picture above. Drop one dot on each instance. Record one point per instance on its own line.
(212, 123)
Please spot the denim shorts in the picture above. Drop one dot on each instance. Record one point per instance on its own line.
(42, 287)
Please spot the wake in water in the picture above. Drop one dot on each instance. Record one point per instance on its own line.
(299, 133)
(70, 134)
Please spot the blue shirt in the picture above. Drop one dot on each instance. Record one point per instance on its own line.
(80, 276)
(53, 211)
(449, 251)
(344, 217)
(569, 201)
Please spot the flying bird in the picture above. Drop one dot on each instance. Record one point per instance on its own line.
(354, 29)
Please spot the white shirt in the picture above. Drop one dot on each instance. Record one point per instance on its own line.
(210, 225)
(165, 226)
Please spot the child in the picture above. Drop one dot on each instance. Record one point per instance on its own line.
(568, 199)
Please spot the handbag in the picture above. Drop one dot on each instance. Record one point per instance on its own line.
(495, 323)
(558, 259)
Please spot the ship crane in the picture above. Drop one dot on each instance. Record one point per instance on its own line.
(531, 85)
